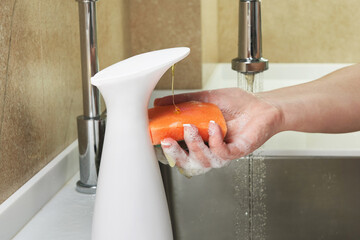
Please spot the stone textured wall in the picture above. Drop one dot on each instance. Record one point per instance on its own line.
(157, 24)
(40, 80)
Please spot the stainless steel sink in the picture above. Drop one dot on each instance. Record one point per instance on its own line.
(294, 197)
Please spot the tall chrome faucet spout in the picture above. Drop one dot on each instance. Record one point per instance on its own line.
(249, 58)
(89, 56)
(90, 125)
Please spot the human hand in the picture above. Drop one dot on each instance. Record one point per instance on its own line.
(250, 120)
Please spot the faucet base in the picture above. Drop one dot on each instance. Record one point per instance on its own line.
(83, 188)
(90, 137)
(249, 65)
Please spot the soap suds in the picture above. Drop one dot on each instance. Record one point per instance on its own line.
(198, 161)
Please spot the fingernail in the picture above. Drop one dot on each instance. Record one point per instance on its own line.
(190, 132)
(166, 144)
(170, 160)
(211, 129)
(187, 128)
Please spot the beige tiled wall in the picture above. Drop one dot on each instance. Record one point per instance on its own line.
(209, 31)
(298, 31)
(40, 80)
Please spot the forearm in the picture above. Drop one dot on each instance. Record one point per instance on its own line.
(330, 104)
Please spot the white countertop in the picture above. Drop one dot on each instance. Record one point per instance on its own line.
(67, 216)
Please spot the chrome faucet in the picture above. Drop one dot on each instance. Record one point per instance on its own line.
(91, 125)
(249, 60)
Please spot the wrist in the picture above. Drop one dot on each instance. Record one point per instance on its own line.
(273, 111)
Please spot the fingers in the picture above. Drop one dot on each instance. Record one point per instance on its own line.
(216, 142)
(218, 148)
(200, 158)
(195, 145)
(202, 96)
(173, 152)
(224, 151)
(187, 166)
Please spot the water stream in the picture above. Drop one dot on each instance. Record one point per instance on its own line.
(250, 217)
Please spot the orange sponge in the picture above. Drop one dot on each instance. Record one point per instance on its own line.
(165, 122)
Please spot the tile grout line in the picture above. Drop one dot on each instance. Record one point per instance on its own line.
(7, 70)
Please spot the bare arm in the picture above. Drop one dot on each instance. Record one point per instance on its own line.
(330, 104)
